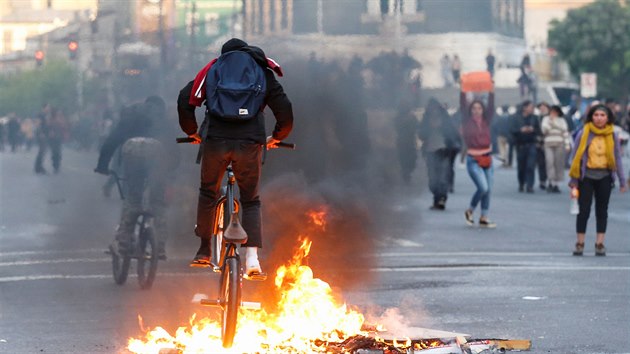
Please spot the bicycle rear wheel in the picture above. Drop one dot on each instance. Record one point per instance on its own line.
(120, 266)
(147, 258)
(230, 296)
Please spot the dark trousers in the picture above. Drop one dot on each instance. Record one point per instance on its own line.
(542, 165)
(141, 175)
(246, 160)
(526, 157)
(438, 166)
(600, 189)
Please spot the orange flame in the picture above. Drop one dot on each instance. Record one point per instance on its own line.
(308, 314)
(319, 218)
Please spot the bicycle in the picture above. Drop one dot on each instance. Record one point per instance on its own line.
(227, 234)
(144, 249)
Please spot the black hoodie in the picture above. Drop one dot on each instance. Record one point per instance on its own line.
(251, 130)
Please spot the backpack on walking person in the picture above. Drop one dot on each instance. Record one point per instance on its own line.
(235, 87)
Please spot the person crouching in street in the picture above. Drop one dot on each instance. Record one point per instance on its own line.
(596, 159)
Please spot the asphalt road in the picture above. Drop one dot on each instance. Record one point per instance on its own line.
(516, 281)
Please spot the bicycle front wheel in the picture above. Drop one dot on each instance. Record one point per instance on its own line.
(230, 293)
(147, 258)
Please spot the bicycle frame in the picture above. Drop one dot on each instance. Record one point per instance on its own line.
(225, 207)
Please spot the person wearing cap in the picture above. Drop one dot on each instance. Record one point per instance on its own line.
(239, 143)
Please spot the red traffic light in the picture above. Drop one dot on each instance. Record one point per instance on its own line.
(39, 55)
(73, 46)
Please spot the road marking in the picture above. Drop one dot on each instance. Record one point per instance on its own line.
(86, 276)
(376, 270)
(54, 261)
(455, 267)
(29, 253)
(488, 254)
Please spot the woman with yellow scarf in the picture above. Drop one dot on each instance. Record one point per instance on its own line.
(596, 159)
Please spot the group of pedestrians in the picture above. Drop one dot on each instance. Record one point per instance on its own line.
(547, 142)
(17, 132)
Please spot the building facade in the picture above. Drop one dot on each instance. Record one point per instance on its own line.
(427, 29)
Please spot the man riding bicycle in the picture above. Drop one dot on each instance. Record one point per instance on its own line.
(239, 143)
(141, 134)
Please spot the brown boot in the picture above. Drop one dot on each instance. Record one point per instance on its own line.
(579, 249)
(600, 250)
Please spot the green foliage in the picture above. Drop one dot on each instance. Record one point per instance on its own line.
(26, 92)
(596, 38)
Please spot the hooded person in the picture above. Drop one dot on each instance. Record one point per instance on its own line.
(238, 143)
(440, 139)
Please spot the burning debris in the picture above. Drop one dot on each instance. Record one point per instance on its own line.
(308, 319)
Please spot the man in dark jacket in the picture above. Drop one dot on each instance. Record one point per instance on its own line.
(526, 130)
(141, 134)
(440, 140)
(238, 143)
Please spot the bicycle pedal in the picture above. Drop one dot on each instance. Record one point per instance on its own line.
(248, 305)
(255, 276)
(213, 303)
(194, 264)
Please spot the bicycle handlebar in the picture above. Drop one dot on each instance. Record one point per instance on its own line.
(280, 144)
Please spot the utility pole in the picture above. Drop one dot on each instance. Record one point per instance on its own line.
(162, 76)
(193, 34)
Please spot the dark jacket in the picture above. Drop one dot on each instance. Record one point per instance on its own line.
(252, 130)
(135, 121)
(447, 127)
(521, 138)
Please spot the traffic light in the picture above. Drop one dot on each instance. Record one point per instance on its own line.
(73, 46)
(39, 57)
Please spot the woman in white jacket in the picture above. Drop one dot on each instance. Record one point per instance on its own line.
(557, 143)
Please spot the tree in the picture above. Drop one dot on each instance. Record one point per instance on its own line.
(595, 38)
(26, 92)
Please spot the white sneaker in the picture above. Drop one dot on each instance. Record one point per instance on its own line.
(252, 266)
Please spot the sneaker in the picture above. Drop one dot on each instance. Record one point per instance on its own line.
(600, 250)
(161, 251)
(468, 215)
(579, 249)
(521, 189)
(202, 258)
(556, 189)
(487, 224)
(252, 266)
(543, 186)
(530, 190)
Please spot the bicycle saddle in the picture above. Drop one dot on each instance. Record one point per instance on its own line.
(235, 232)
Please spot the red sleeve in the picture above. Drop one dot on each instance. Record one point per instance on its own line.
(198, 91)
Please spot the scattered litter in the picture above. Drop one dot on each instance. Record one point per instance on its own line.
(533, 298)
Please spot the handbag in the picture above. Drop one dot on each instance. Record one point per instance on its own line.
(484, 161)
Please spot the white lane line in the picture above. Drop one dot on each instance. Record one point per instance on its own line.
(29, 253)
(495, 268)
(87, 276)
(377, 270)
(54, 261)
(488, 254)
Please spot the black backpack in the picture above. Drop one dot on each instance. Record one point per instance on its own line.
(235, 87)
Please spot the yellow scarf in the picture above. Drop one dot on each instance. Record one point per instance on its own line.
(589, 127)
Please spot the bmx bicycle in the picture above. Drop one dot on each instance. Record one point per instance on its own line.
(143, 248)
(227, 234)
